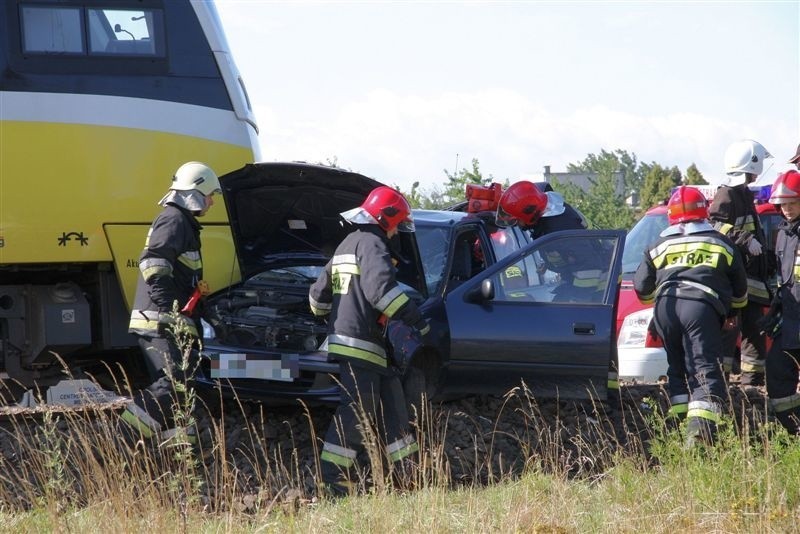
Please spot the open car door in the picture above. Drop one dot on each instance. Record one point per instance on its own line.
(523, 320)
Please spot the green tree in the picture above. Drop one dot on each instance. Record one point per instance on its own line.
(604, 204)
(616, 161)
(450, 193)
(658, 183)
(431, 199)
(694, 176)
(456, 185)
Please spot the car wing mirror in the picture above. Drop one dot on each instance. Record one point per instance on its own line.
(482, 293)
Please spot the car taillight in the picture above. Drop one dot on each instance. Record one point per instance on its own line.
(652, 340)
(634, 332)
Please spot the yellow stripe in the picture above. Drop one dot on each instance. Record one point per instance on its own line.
(359, 354)
(395, 305)
(748, 367)
(724, 228)
(739, 302)
(703, 414)
(342, 461)
(143, 324)
(194, 265)
(692, 255)
(345, 268)
(676, 410)
(137, 424)
(150, 272)
(30, 237)
(405, 451)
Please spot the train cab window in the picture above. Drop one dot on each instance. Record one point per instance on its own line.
(52, 30)
(125, 32)
(92, 31)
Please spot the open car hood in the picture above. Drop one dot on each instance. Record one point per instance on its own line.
(289, 210)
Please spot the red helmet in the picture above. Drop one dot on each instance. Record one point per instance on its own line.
(390, 209)
(522, 203)
(686, 204)
(786, 188)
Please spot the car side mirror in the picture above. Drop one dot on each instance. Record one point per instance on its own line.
(481, 293)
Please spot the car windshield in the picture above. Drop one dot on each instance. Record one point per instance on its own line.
(433, 243)
(642, 235)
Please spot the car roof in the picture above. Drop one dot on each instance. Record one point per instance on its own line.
(659, 209)
(440, 217)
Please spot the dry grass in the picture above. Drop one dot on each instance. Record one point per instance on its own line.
(572, 473)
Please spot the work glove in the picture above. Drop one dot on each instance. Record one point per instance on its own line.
(770, 324)
(754, 247)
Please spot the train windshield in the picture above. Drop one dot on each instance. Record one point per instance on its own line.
(54, 29)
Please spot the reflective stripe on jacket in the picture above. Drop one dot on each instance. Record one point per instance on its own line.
(693, 261)
(733, 214)
(356, 288)
(169, 268)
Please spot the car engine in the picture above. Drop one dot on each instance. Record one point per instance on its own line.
(265, 318)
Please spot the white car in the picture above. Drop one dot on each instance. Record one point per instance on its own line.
(641, 355)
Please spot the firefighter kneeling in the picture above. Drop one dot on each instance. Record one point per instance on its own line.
(696, 277)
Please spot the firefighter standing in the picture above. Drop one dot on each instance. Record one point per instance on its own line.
(782, 361)
(358, 288)
(733, 213)
(171, 272)
(695, 276)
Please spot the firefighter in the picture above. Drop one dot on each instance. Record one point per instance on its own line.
(733, 213)
(358, 290)
(525, 205)
(170, 275)
(541, 212)
(782, 360)
(796, 158)
(695, 276)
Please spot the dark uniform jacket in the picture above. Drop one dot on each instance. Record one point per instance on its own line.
(693, 261)
(568, 220)
(733, 213)
(170, 267)
(356, 288)
(787, 251)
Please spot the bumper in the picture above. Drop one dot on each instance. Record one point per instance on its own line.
(271, 378)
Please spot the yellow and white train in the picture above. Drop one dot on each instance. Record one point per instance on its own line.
(100, 102)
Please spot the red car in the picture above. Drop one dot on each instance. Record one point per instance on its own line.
(641, 356)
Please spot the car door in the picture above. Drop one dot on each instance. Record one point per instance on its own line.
(518, 321)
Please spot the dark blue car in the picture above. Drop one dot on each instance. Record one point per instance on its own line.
(490, 330)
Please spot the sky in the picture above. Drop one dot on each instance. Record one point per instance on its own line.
(404, 91)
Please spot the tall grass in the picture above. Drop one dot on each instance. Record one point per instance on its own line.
(486, 464)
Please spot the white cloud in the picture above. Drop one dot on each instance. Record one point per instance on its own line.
(402, 138)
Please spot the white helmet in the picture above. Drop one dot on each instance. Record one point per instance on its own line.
(745, 156)
(196, 176)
